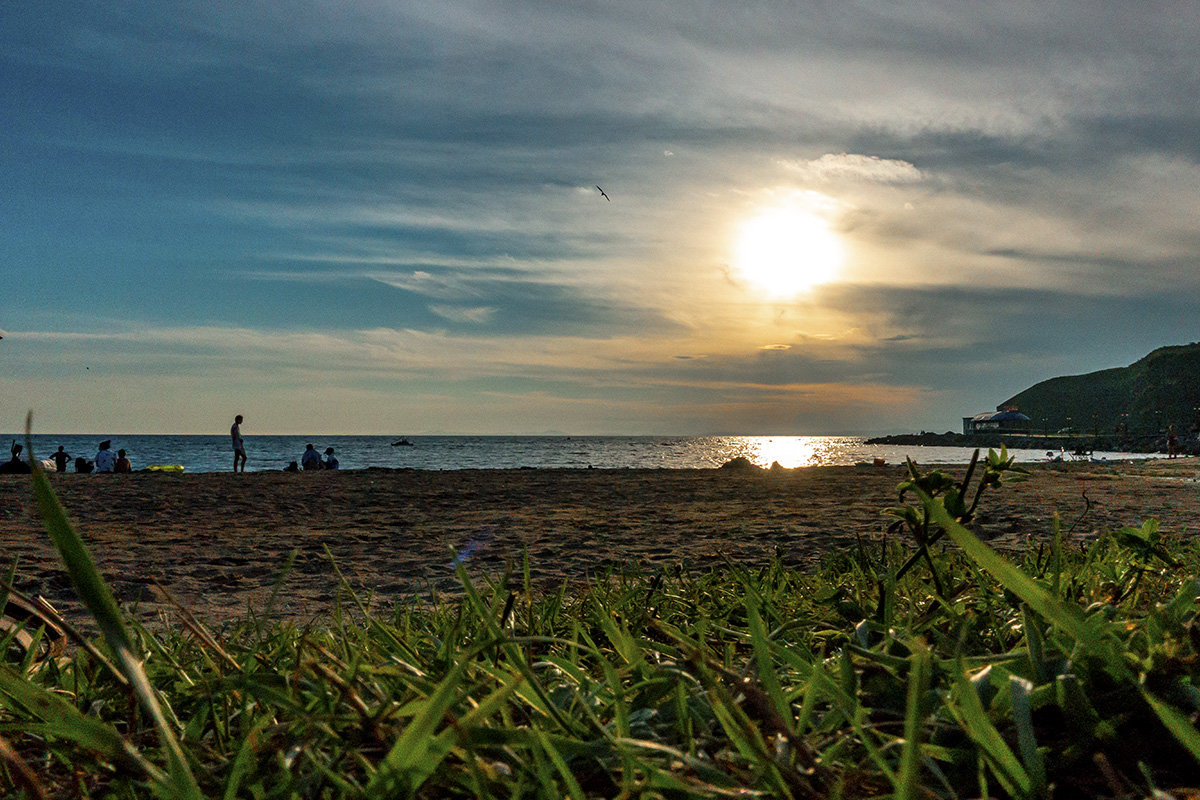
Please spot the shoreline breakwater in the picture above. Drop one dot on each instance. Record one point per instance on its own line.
(1127, 443)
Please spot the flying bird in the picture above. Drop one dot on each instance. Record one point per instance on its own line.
(602, 194)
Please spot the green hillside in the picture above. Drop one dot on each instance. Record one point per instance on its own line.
(1159, 390)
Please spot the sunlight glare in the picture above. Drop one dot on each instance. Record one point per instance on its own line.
(786, 251)
(789, 451)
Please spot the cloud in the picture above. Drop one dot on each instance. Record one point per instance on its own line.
(400, 189)
(476, 315)
(449, 285)
(856, 167)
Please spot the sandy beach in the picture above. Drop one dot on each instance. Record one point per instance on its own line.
(220, 542)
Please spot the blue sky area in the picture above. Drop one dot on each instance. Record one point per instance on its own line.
(383, 217)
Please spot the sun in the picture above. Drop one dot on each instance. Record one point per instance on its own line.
(785, 251)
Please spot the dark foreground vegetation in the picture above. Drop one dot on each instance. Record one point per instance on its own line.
(926, 666)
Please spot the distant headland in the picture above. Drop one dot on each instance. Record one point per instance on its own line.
(1138, 408)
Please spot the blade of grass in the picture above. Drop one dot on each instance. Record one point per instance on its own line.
(574, 790)
(766, 669)
(243, 761)
(513, 653)
(62, 720)
(1182, 728)
(1026, 738)
(1057, 612)
(20, 772)
(417, 752)
(909, 775)
(95, 594)
(973, 719)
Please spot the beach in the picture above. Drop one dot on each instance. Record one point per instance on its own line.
(221, 543)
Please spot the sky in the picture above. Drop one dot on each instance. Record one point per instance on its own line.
(383, 217)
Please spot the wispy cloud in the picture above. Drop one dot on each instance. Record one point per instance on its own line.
(475, 315)
(856, 167)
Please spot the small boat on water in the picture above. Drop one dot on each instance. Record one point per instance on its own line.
(402, 443)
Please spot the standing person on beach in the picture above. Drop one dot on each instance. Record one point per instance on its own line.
(239, 444)
(61, 459)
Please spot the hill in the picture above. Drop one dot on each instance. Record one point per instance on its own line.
(1161, 389)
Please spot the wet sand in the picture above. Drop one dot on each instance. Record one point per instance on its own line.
(220, 542)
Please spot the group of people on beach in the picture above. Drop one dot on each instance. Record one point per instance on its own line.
(105, 461)
(310, 460)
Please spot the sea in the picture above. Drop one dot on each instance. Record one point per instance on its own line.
(214, 454)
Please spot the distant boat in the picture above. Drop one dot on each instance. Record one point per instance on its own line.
(402, 443)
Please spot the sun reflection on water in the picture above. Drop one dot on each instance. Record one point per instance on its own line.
(789, 451)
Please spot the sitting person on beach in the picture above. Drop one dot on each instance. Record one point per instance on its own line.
(330, 461)
(292, 467)
(122, 464)
(84, 466)
(311, 458)
(61, 459)
(15, 466)
(105, 460)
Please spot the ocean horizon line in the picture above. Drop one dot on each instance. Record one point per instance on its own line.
(410, 435)
(213, 452)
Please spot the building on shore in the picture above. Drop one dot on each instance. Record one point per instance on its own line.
(1002, 420)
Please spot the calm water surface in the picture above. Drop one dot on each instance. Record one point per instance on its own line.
(213, 453)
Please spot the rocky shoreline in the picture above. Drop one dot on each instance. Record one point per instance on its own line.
(1128, 443)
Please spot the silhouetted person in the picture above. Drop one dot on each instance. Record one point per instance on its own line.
(311, 458)
(83, 465)
(14, 466)
(123, 464)
(105, 460)
(61, 459)
(239, 444)
(330, 461)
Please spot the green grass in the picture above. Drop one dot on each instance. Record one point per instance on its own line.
(928, 667)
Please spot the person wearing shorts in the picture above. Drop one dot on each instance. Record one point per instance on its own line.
(239, 444)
